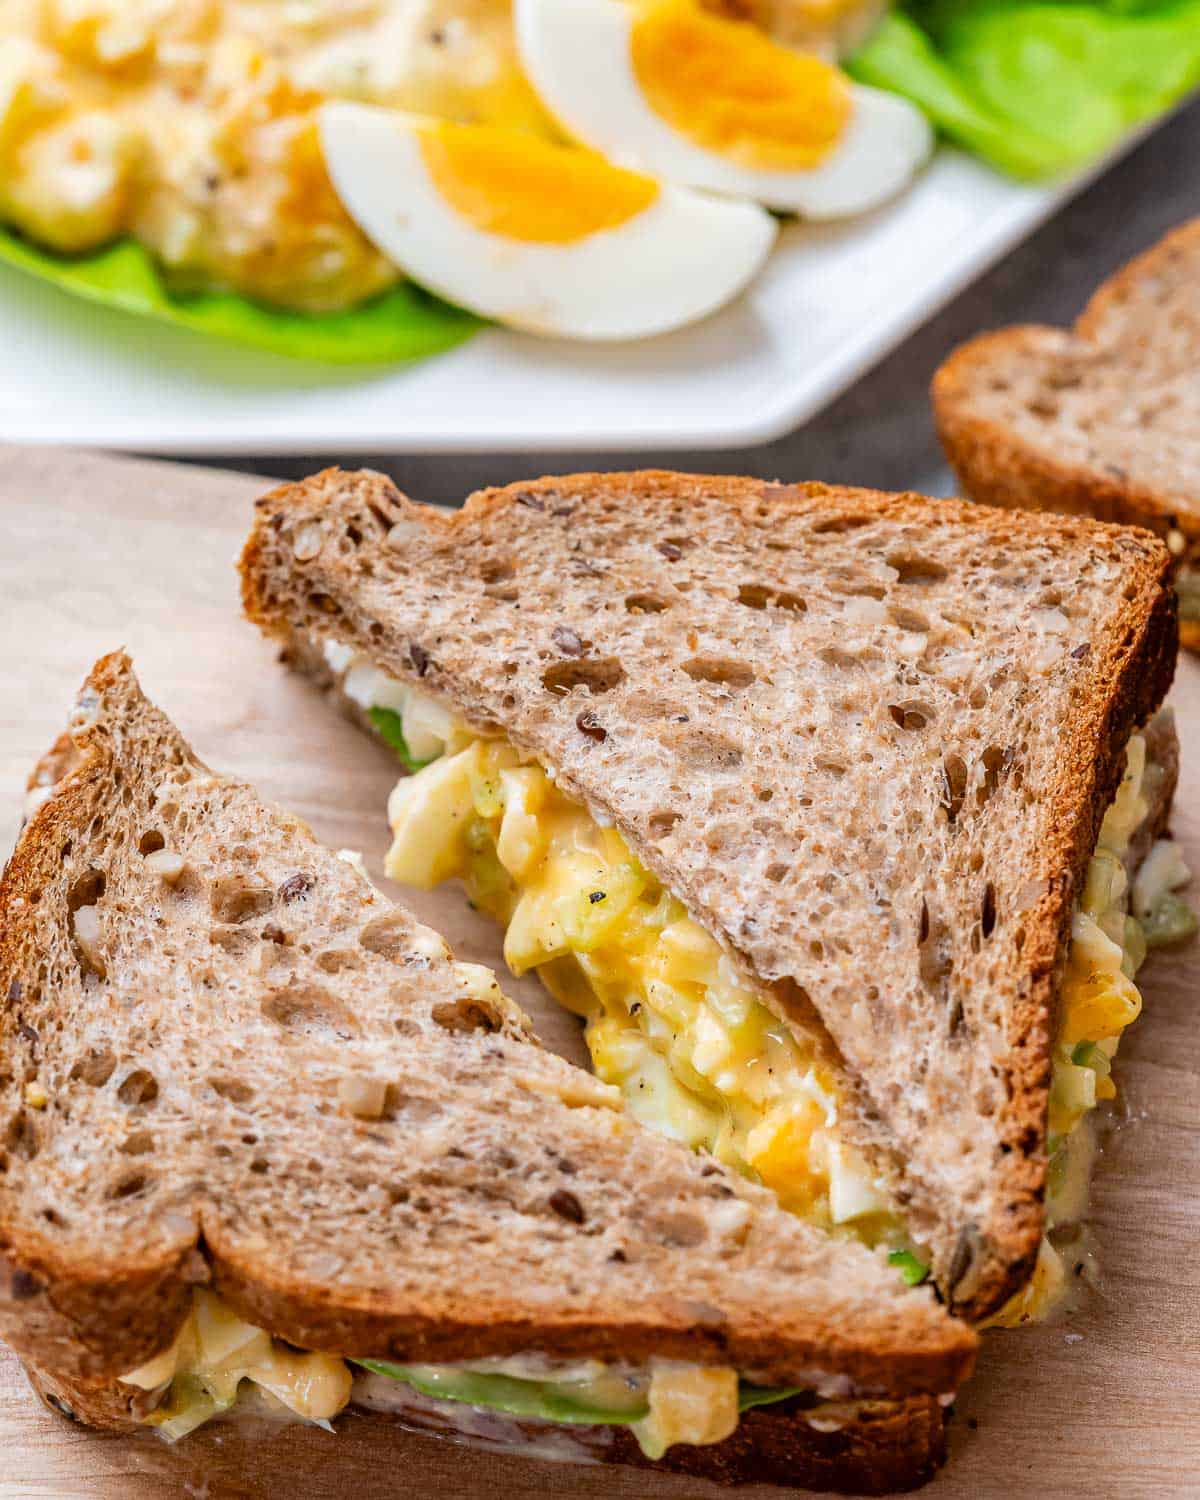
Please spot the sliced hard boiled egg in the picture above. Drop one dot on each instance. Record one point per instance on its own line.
(664, 87)
(542, 237)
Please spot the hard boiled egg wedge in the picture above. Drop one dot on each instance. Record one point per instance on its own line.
(542, 237)
(667, 88)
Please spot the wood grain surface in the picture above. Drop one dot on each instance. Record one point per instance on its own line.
(1103, 1404)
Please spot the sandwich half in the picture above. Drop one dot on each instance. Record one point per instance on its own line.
(264, 1139)
(1102, 419)
(824, 807)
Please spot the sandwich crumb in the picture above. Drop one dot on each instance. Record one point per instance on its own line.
(362, 1096)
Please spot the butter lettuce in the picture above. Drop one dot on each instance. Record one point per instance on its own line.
(543, 1400)
(1038, 89)
(402, 323)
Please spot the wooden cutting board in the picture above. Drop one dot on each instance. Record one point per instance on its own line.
(1104, 1404)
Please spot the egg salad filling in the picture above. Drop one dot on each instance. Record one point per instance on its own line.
(696, 1052)
(191, 125)
(664, 1402)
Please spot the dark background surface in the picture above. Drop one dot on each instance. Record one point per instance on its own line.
(879, 433)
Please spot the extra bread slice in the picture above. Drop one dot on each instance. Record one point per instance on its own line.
(179, 1072)
(868, 740)
(1100, 420)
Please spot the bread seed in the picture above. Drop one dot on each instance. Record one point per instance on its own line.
(567, 1206)
(296, 885)
(87, 935)
(361, 1096)
(308, 542)
(36, 1096)
(566, 640)
(166, 864)
(587, 723)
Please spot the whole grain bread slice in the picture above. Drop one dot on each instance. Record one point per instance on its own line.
(226, 1058)
(867, 739)
(1102, 419)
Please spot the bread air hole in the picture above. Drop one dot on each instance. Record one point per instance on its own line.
(390, 936)
(719, 669)
(20, 1138)
(912, 714)
(95, 1067)
(303, 1007)
(994, 761)
(679, 1229)
(915, 569)
(140, 1087)
(235, 899)
(706, 750)
(469, 1013)
(987, 913)
(599, 674)
(908, 619)
(236, 1090)
(131, 1187)
(151, 842)
(954, 770)
(840, 525)
(645, 604)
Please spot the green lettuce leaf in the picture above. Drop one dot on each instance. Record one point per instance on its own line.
(391, 730)
(402, 323)
(913, 1271)
(1038, 89)
(544, 1400)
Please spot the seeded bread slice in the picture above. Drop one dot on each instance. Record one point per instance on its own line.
(1101, 420)
(867, 739)
(226, 1058)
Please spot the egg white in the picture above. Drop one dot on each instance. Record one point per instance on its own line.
(676, 261)
(577, 54)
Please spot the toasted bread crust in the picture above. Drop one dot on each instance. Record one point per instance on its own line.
(878, 1448)
(978, 1265)
(999, 465)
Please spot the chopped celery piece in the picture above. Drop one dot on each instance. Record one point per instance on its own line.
(1089, 1055)
(911, 1269)
(1171, 921)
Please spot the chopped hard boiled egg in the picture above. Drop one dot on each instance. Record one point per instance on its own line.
(542, 237)
(695, 1051)
(664, 87)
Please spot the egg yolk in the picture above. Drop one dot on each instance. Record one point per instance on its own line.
(731, 89)
(522, 188)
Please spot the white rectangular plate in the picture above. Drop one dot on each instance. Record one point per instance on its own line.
(833, 300)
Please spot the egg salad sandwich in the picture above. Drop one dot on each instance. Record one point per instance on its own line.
(265, 1142)
(1100, 419)
(837, 815)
